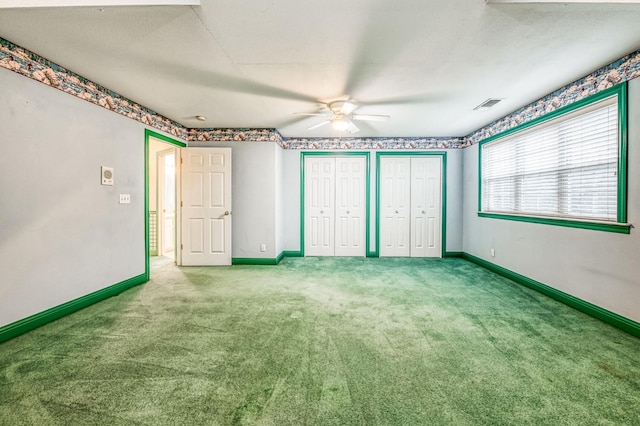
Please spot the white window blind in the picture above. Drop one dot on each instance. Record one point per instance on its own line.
(566, 167)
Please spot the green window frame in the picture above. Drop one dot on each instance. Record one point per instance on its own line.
(534, 128)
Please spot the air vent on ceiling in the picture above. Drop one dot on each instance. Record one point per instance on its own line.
(489, 103)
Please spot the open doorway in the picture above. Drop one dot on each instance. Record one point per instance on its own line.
(162, 154)
(166, 202)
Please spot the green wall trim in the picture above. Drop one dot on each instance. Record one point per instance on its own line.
(623, 108)
(255, 260)
(151, 134)
(443, 155)
(595, 226)
(454, 254)
(163, 138)
(292, 254)
(264, 260)
(367, 157)
(32, 322)
(611, 318)
(619, 90)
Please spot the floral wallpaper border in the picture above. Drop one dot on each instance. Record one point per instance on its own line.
(29, 64)
(22, 61)
(624, 69)
(373, 143)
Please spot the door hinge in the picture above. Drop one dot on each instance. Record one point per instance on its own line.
(181, 247)
(180, 203)
(181, 160)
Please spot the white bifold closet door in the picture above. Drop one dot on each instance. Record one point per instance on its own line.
(410, 206)
(395, 206)
(319, 209)
(335, 206)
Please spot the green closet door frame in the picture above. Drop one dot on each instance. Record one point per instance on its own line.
(367, 157)
(443, 156)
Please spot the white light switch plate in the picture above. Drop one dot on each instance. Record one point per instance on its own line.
(125, 198)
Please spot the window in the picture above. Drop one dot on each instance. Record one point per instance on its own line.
(567, 168)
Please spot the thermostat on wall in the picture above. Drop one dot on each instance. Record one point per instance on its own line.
(107, 175)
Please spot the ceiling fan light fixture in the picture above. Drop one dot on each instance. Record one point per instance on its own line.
(201, 118)
(340, 124)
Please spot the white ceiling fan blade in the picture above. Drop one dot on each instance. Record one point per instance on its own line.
(348, 107)
(370, 117)
(352, 128)
(315, 126)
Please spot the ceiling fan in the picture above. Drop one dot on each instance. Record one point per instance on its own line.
(341, 116)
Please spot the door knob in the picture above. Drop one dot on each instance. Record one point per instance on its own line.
(423, 212)
(397, 212)
(227, 213)
(347, 211)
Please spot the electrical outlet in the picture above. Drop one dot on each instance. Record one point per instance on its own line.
(125, 198)
(263, 247)
(493, 253)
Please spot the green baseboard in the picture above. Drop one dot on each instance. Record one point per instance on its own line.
(611, 318)
(453, 254)
(292, 254)
(264, 260)
(32, 322)
(255, 261)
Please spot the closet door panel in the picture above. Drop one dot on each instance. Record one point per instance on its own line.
(350, 206)
(319, 206)
(425, 206)
(395, 206)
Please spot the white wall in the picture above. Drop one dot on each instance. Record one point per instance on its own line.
(599, 267)
(62, 234)
(280, 206)
(253, 197)
(291, 199)
(455, 227)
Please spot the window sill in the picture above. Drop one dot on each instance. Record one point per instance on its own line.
(620, 228)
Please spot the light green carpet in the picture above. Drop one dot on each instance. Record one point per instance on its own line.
(323, 341)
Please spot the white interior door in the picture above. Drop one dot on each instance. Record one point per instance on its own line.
(319, 206)
(395, 206)
(206, 206)
(425, 206)
(350, 206)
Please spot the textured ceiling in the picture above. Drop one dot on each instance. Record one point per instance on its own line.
(254, 63)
